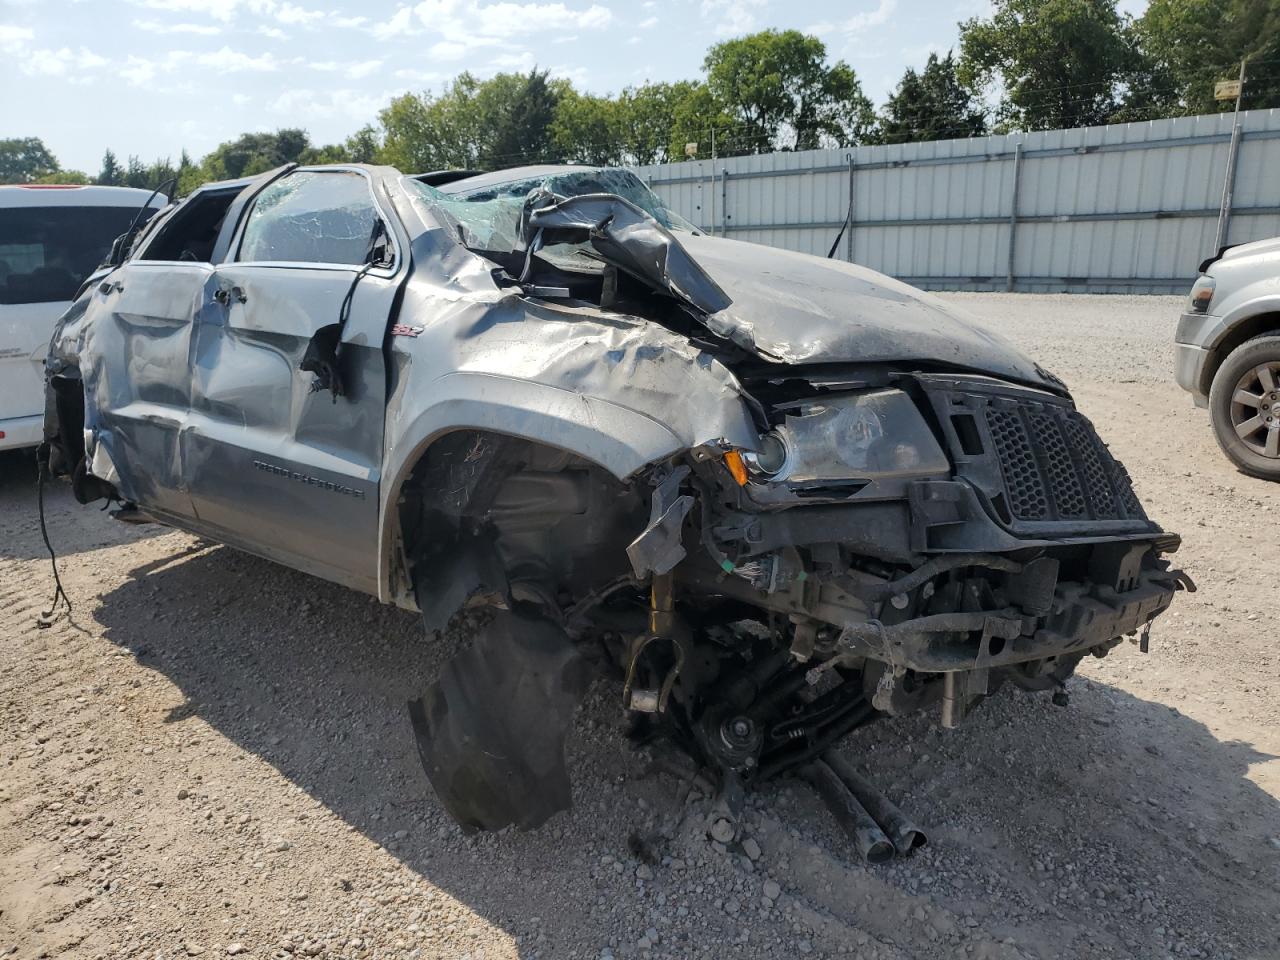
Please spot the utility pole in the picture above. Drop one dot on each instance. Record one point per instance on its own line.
(1229, 178)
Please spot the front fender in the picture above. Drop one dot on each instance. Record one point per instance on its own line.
(621, 393)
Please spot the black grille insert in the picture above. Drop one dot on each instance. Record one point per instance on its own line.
(1039, 463)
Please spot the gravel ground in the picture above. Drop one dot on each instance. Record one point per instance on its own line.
(212, 758)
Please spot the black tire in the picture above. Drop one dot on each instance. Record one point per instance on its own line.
(1249, 451)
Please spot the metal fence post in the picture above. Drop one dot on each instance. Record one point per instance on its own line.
(1013, 214)
(724, 201)
(848, 240)
(1228, 189)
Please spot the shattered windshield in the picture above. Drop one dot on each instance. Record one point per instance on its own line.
(312, 216)
(490, 215)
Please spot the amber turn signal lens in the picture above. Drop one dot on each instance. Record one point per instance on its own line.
(733, 460)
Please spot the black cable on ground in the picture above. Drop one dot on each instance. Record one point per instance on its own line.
(50, 616)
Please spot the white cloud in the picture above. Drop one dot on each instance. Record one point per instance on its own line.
(275, 33)
(155, 26)
(223, 10)
(595, 17)
(866, 19)
(281, 11)
(227, 60)
(419, 76)
(355, 71)
(355, 105)
(447, 50)
(364, 69)
(12, 38)
(138, 70)
(648, 22)
(470, 22)
(57, 63)
(576, 75)
(732, 17)
(289, 13)
(516, 60)
(398, 25)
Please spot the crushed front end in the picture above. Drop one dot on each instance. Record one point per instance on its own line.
(901, 512)
(896, 541)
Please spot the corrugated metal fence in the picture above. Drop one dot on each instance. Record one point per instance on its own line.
(1127, 208)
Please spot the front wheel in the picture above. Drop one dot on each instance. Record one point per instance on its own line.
(1244, 405)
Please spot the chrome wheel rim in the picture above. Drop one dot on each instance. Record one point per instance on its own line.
(1255, 409)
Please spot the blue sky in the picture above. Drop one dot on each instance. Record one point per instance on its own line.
(153, 76)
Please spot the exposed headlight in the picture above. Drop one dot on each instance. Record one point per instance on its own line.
(868, 436)
(1202, 293)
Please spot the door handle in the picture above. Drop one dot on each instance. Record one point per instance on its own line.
(234, 295)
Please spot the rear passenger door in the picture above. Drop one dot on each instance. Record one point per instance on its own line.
(280, 464)
(140, 347)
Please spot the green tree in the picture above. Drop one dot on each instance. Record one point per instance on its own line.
(647, 124)
(656, 120)
(111, 175)
(1192, 44)
(424, 132)
(363, 146)
(782, 94)
(252, 153)
(65, 176)
(135, 173)
(190, 174)
(587, 129)
(931, 105)
(329, 153)
(502, 121)
(1060, 62)
(25, 160)
(522, 132)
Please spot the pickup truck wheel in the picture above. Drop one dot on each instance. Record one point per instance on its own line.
(1244, 405)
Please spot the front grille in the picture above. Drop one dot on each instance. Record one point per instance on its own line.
(1037, 462)
(1056, 468)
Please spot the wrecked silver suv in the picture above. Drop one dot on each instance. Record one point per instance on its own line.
(777, 496)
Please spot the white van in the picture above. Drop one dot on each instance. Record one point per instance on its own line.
(51, 238)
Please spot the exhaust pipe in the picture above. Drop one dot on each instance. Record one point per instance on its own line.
(870, 840)
(895, 824)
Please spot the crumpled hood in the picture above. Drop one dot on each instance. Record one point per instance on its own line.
(783, 306)
(797, 308)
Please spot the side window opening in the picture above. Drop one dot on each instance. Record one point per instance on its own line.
(192, 231)
(311, 217)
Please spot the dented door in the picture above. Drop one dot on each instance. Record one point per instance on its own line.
(140, 376)
(279, 465)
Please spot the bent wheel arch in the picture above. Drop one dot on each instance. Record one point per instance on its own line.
(618, 441)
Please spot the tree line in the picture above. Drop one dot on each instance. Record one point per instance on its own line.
(1030, 65)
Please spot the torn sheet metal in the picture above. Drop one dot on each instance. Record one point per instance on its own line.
(780, 305)
(626, 236)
